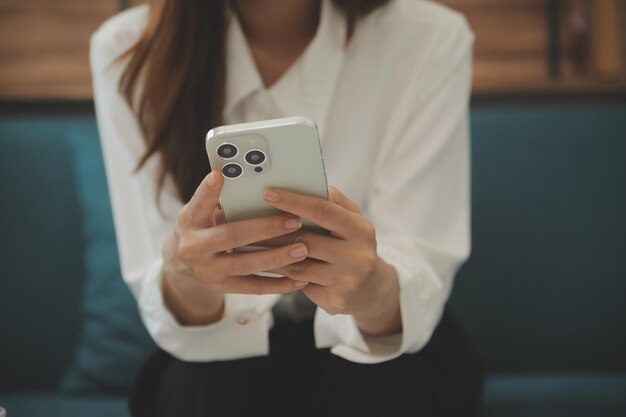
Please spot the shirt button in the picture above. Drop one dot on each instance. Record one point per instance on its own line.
(242, 320)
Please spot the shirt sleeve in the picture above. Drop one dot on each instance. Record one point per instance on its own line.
(419, 203)
(141, 227)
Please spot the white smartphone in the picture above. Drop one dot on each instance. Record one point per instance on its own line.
(282, 153)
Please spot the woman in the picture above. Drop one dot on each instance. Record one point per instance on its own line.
(359, 312)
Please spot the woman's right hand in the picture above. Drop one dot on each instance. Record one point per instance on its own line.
(198, 270)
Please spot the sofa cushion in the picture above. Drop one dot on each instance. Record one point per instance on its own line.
(556, 395)
(114, 342)
(41, 257)
(50, 405)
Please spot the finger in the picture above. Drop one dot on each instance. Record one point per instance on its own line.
(315, 272)
(258, 285)
(338, 197)
(325, 213)
(198, 212)
(247, 263)
(302, 236)
(321, 247)
(218, 215)
(316, 293)
(227, 236)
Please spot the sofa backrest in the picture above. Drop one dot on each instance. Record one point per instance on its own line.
(41, 251)
(545, 286)
(69, 319)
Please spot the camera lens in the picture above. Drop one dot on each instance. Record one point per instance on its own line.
(232, 170)
(227, 151)
(255, 157)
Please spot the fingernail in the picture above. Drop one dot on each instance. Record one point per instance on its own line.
(271, 195)
(298, 252)
(300, 284)
(292, 223)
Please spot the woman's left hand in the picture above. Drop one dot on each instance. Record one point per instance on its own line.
(344, 272)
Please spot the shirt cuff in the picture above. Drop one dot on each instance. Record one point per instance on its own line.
(418, 302)
(242, 332)
(422, 297)
(341, 333)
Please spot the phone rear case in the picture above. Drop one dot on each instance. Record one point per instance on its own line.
(294, 161)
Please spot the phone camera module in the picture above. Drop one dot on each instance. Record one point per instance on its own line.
(227, 151)
(255, 157)
(232, 170)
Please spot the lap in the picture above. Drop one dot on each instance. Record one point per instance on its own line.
(445, 378)
(442, 379)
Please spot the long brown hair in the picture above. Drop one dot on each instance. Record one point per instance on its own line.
(174, 81)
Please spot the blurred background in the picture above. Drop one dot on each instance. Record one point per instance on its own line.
(522, 46)
(542, 296)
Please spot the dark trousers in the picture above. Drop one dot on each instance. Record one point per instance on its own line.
(444, 378)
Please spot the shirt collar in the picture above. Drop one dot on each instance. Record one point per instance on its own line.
(307, 87)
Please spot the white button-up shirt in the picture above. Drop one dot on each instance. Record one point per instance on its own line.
(392, 109)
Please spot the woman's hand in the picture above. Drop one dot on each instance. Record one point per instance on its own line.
(198, 270)
(346, 275)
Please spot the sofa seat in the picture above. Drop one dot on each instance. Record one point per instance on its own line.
(556, 395)
(43, 404)
(514, 395)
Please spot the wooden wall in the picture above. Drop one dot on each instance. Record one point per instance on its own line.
(509, 53)
(44, 48)
(513, 54)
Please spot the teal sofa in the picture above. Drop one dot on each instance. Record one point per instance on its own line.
(542, 297)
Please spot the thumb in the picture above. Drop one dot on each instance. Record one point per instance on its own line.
(198, 212)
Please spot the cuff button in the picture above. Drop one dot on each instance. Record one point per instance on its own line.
(242, 320)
